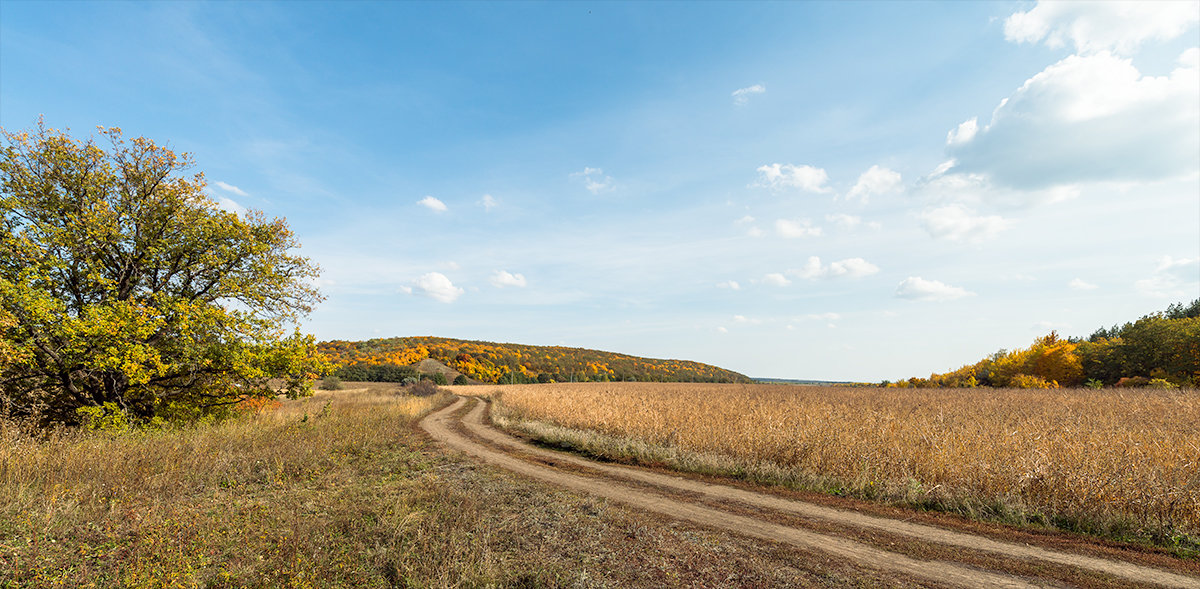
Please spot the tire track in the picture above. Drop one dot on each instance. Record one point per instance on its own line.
(438, 426)
(1139, 573)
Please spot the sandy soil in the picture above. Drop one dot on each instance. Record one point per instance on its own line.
(660, 493)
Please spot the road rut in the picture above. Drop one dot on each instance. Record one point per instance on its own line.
(608, 485)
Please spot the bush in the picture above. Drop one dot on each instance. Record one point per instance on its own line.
(438, 378)
(423, 388)
(461, 379)
(1161, 383)
(331, 383)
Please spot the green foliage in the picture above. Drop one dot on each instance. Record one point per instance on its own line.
(376, 373)
(123, 285)
(460, 380)
(331, 383)
(438, 378)
(1158, 347)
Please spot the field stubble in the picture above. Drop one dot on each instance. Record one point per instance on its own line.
(1119, 463)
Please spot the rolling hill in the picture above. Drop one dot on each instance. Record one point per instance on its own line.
(488, 362)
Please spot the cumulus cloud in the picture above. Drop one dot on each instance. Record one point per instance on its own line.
(792, 229)
(503, 278)
(436, 286)
(875, 182)
(231, 188)
(432, 204)
(806, 178)
(848, 268)
(1080, 284)
(594, 180)
(776, 279)
(916, 288)
(1173, 278)
(964, 133)
(957, 223)
(729, 284)
(1088, 118)
(1118, 26)
(488, 202)
(742, 95)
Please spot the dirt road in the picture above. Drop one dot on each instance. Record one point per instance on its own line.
(759, 514)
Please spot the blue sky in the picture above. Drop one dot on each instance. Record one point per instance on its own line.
(845, 191)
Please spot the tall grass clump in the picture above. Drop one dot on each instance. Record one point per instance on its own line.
(1122, 463)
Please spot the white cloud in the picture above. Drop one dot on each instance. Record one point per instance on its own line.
(722, 330)
(729, 284)
(1109, 25)
(848, 268)
(964, 133)
(432, 204)
(918, 289)
(797, 228)
(231, 188)
(436, 286)
(744, 220)
(1092, 118)
(502, 278)
(488, 202)
(776, 279)
(843, 220)
(754, 232)
(228, 204)
(594, 180)
(742, 95)
(806, 178)
(874, 182)
(1173, 278)
(956, 223)
(1080, 284)
(743, 320)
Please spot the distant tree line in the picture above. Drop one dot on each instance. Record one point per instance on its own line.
(385, 359)
(1161, 349)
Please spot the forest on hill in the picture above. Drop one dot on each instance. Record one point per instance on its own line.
(389, 359)
(1161, 350)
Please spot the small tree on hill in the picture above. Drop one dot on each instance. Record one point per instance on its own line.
(123, 286)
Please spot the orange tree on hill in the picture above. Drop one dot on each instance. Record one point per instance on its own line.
(124, 289)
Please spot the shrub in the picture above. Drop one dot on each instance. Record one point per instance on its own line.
(1161, 383)
(1025, 381)
(461, 379)
(331, 383)
(438, 378)
(423, 388)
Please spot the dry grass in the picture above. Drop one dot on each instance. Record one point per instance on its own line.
(1123, 463)
(339, 490)
(319, 492)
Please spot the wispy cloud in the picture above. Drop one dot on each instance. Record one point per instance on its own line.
(488, 202)
(1080, 284)
(230, 188)
(594, 180)
(957, 223)
(804, 177)
(1118, 26)
(729, 284)
(742, 95)
(847, 268)
(776, 279)
(503, 278)
(1172, 278)
(916, 288)
(795, 228)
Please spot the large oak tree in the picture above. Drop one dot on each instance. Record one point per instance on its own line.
(122, 285)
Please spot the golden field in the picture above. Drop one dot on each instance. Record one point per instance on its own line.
(1121, 462)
